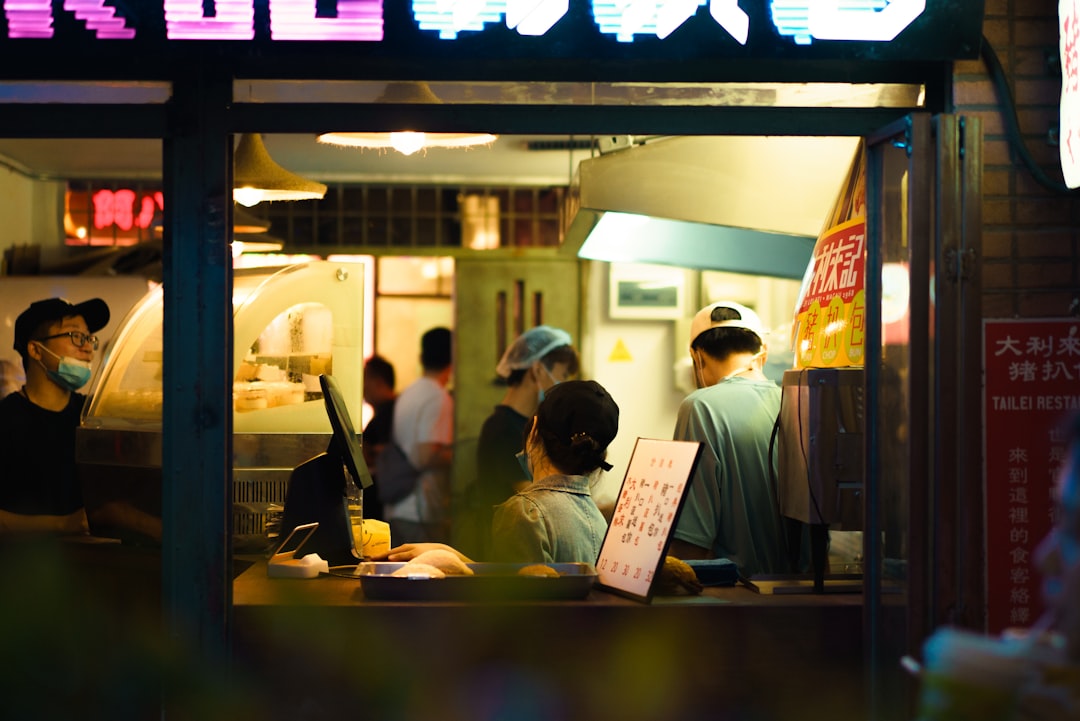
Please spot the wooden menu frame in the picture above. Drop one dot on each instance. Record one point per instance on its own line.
(648, 505)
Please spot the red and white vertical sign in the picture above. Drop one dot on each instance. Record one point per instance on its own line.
(1031, 380)
(1069, 27)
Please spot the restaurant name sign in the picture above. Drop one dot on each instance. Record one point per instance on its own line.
(802, 21)
(888, 30)
(1069, 27)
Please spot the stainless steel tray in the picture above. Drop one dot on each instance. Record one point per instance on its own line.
(490, 582)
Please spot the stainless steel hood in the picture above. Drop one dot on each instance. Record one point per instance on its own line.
(743, 204)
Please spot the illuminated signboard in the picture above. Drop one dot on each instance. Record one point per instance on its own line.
(362, 20)
(111, 216)
(1069, 25)
(875, 30)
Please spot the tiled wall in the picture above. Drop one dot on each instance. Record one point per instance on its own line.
(1031, 234)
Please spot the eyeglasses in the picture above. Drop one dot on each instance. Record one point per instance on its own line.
(78, 338)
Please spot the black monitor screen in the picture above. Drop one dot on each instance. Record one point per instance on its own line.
(345, 439)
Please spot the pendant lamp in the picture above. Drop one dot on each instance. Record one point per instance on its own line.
(407, 142)
(244, 223)
(257, 178)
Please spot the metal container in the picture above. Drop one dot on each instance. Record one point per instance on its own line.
(494, 582)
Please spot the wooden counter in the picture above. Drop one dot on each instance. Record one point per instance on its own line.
(317, 649)
(727, 654)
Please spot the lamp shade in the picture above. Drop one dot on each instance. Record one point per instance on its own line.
(245, 223)
(406, 141)
(257, 178)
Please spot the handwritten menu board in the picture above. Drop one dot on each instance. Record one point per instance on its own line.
(648, 505)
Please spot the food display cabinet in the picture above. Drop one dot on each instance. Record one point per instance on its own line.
(290, 325)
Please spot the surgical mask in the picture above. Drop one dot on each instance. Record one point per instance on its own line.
(540, 392)
(70, 374)
(523, 461)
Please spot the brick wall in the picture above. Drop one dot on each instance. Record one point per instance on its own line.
(1031, 235)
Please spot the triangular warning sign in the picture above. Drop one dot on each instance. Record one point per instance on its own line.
(620, 353)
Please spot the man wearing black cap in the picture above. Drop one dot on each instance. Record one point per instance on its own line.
(39, 490)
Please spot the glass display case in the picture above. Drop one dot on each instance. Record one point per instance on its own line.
(290, 326)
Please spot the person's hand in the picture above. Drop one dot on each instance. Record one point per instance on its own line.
(409, 551)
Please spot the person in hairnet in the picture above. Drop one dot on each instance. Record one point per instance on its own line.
(532, 365)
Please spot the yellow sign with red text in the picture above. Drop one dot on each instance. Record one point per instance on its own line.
(830, 319)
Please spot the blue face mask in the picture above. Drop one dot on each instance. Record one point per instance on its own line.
(71, 373)
(523, 461)
(540, 392)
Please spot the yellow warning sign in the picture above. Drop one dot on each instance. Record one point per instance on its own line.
(620, 353)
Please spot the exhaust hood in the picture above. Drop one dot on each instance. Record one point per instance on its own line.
(751, 205)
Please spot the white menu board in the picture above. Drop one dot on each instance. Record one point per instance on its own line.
(646, 510)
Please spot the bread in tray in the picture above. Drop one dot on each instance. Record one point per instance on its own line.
(446, 561)
(418, 570)
(538, 569)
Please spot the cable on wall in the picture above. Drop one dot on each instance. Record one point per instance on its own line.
(1012, 122)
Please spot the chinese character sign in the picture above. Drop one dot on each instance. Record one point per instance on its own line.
(830, 318)
(1069, 26)
(1031, 380)
(645, 513)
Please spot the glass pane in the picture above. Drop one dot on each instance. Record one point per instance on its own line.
(887, 283)
(399, 323)
(409, 276)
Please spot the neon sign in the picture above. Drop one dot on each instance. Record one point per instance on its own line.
(1069, 27)
(117, 207)
(803, 21)
(869, 20)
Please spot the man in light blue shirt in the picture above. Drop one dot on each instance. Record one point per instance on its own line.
(731, 507)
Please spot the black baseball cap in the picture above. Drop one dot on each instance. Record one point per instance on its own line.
(573, 407)
(94, 311)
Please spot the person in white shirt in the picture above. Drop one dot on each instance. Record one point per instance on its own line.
(424, 430)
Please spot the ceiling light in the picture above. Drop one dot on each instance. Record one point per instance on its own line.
(407, 142)
(262, 244)
(245, 223)
(257, 178)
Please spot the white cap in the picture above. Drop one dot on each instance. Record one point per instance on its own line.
(531, 346)
(748, 319)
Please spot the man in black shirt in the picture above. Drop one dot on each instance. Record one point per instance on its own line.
(39, 489)
(533, 364)
(379, 381)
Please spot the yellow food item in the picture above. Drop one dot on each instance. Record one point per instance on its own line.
(374, 538)
(676, 576)
(418, 570)
(538, 569)
(446, 561)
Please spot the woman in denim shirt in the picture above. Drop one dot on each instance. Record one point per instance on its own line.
(555, 519)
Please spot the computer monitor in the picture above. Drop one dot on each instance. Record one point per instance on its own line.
(317, 487)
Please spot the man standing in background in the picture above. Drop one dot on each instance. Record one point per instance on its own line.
(379, 383)
(423, 427)
(537, 360)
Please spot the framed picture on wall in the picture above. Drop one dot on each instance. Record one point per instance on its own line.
(646, 292)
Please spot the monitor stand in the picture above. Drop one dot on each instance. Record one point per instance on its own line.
(316, 494)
